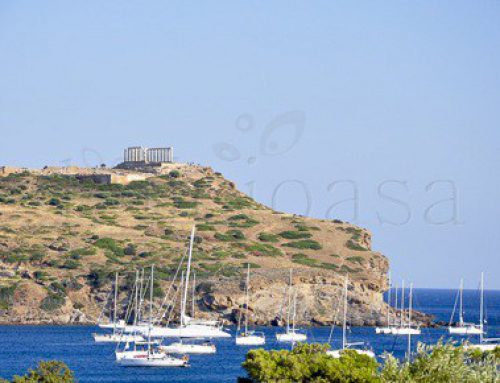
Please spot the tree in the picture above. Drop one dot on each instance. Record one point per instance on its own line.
(46, 372)
(309, 363)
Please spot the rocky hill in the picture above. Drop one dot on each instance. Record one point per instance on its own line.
(63, 236)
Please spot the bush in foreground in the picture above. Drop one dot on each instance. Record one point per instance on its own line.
(46, 372)
(442, 363)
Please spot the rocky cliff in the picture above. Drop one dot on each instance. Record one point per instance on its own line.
(63, 236)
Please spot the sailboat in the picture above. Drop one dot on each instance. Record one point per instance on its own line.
(407, 329)
(387, 329)
(248, 338)
(153, 357)
(117, 336)
(291, 334)
(462, 328)
(345, 344)
(189, 328)
(485, 344)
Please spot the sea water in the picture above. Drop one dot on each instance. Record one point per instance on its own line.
(21, 347)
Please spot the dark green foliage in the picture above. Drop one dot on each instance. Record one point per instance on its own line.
(109, 244)
(356, 259)
(98, 277)
(309, 363)
(205, 227)
(268, 237)
(174, 174)
(52, 301)
(181, 204)
(230, 235)
(355, 246)
(71, 264)
(261, 249)
(47, 372)
(303, 259)
(294, 234)
(54, 202)
(7, 296)
(304, 244)
(130, 249)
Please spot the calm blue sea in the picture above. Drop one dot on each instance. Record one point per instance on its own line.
(22, 347)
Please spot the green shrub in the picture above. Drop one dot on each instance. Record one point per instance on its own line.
(309, 363)
(268, 237)
(261, 249)
(181, 204)
(205, 227)
(109, 244)
(356, 259)
(174, 174)
(52, 302)
(230, 235)
(355, 246)
(303, 259)
(46, 372)
(131, 249)
(54, 202)
(6, 296)
(71, 264)
(441, 363)
(304, 244)
(294, 234)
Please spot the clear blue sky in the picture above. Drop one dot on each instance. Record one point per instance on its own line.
(392, 96)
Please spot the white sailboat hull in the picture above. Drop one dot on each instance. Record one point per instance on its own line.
(250, 340)
(291, 337)
(117, 338)
(405, 331)
(383, 330)
(465, 330)
(482, 346)
(122, 354)
(120, 325)
(152, 360)
(189, 331)
(338, 353)
(184, 348)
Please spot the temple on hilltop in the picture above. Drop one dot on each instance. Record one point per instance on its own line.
(139, 158)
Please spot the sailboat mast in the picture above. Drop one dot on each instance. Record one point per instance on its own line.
(141, 294)
(481, 310)
(294, 309)
(114, 304)
(136, 300)
(389, 302)
(461, 319)
(344, 325)
(410, 306)
(246, 298)
(395, 304)
(186, 286)
(402, 301)
(150, 310)
(289, 303)
(194, 294)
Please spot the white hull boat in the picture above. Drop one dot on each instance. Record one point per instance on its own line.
(117, 338)
(383, 330)
(189, 331)
(406, 331)
(291, 336)
(251, 339)
(151, 360)
(120, 325)
(466, 329)
(338, 353)
(482, 346)
(188, 348)
(122, 354)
